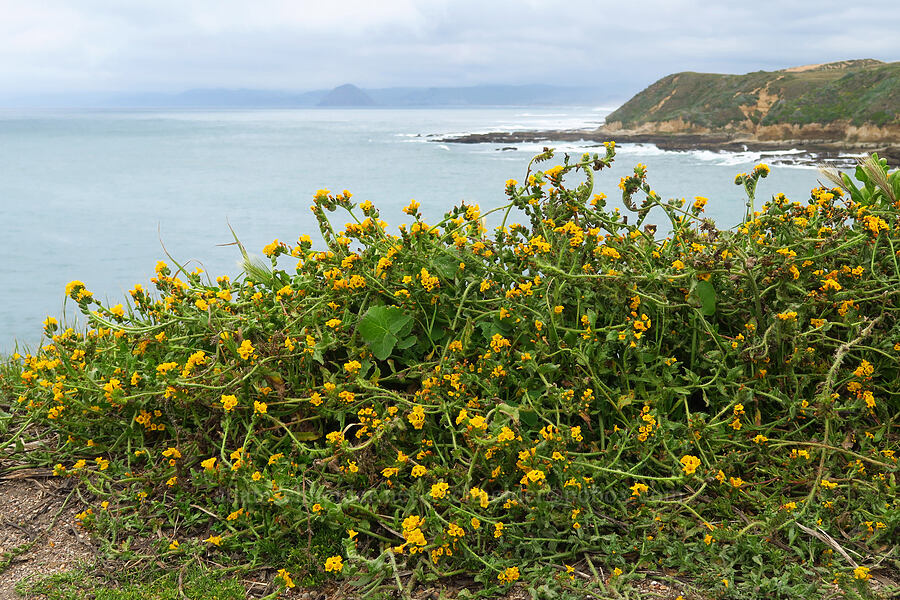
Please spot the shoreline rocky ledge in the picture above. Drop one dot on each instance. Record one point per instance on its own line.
(811, 114)
(812, 151)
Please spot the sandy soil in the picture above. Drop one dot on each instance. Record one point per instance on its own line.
(38, 531)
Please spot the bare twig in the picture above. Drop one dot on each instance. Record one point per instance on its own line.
(824, 537)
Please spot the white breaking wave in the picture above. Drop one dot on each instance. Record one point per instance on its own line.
(794, 158)
(542, 115)
(639, 149)
(722, 158)
(516, 126)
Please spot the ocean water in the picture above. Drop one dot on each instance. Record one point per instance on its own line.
(94, 195)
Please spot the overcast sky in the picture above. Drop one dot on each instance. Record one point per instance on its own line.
(49, 46)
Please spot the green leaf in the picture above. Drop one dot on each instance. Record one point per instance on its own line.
(405, 343)
(646, 357)
(437, 334)
(446, 266)
(528, 418)
(489, 329)
(548, 367)
(379, 328)
(624, 400)
(383, 345)
(707, 295)
(404, 331)
(511, 411)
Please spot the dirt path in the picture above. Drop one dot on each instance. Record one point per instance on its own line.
(38, 531)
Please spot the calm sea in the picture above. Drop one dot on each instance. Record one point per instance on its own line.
(94, 194)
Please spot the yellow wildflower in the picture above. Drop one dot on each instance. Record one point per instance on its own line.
(286, 578)
(352, 367)
(508, 575)
(334, 563)
(690, 464)
(228, 402)
(439, 490)
(246, 349)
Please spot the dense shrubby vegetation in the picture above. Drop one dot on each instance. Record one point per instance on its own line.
(569, 402)
(861, 92)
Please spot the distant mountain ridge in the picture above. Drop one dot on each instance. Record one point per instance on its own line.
(853, 100)
(477, 95)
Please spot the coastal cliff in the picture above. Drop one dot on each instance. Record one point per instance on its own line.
(826, 111)
(853, 102)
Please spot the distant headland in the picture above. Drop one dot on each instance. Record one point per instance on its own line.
(846, 106)
(346, 95)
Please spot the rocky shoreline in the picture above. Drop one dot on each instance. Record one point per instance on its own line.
(811, 152)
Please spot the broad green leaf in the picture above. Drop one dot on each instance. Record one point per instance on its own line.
(529, 418)
(405, 343)
(437, 334)
(383, 345)
(511, 411)
(707, 295)
(379, 327)
(404, 331)
(446, 266)
(489, 329)
(548, 367)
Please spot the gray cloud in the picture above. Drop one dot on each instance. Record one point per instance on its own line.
(166, 45)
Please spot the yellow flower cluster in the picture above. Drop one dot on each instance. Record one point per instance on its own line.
(509, 575)
(417, 416)
(246, 350)
(334, 564)
(690, 464)
(229, 402)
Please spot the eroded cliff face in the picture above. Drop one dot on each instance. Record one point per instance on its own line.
(837, 131)
(673, 126)
(841, 131)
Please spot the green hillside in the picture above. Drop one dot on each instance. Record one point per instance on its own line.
(859, 92)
